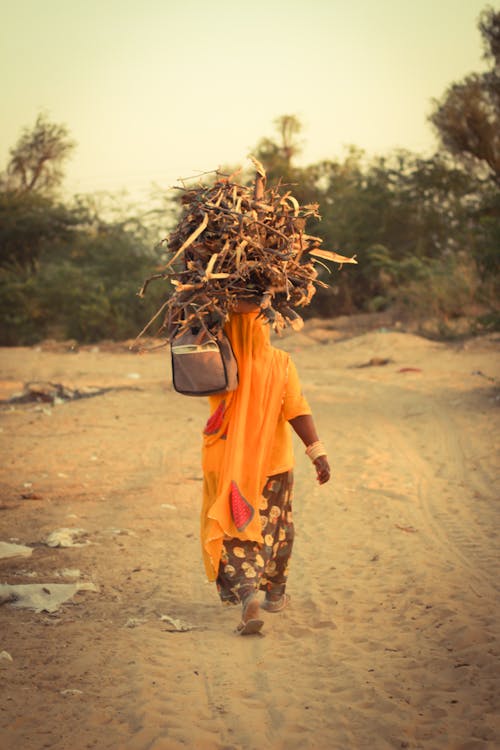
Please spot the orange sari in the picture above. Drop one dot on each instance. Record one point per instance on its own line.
(240, 439)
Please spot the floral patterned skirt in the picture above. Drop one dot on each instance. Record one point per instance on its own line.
(247, 566)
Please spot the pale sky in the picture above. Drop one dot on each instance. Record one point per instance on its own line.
(155, 90)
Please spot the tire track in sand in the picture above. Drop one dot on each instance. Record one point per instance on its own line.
(463, 526)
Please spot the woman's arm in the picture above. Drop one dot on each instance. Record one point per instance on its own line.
(306, 430)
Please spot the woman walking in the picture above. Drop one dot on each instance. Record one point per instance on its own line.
(246, 521)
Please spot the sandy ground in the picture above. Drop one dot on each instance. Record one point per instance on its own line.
(391, 637)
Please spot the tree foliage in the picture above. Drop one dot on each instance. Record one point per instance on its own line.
(84, 288)
(36, 161)
(467, 118)
(67, 270)
(31, 222)
(279, 154)
(407, 219)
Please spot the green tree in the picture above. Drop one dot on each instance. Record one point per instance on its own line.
(83, 288)
(67, 269)
(30, 216)
(277, 155)
(467, 118)
(36, 161)
(30, 223)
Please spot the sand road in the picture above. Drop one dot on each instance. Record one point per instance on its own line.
(391, 637)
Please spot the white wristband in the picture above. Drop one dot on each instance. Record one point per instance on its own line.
(315, 450)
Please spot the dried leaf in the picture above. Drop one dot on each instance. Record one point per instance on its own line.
(258, 166)
(329, 255)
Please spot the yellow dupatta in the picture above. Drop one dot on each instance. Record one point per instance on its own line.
(239, 437)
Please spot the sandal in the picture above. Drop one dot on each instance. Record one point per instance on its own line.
(250, 627)
(254, 624)
(276, 605)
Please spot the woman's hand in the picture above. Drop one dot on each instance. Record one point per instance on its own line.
(306, 430)
(322, 469)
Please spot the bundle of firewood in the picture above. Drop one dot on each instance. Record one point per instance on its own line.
(233, 243)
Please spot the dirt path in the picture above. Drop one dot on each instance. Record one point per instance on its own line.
(391, 638)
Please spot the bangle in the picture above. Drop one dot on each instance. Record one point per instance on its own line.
(315, 450)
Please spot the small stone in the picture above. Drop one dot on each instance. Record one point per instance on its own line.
(176, 626)
(66, 537)
(134, 622)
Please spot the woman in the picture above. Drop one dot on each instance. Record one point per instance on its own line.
(246, 522)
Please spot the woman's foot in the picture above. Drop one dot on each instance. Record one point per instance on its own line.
(250, 620)
(275, 602)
